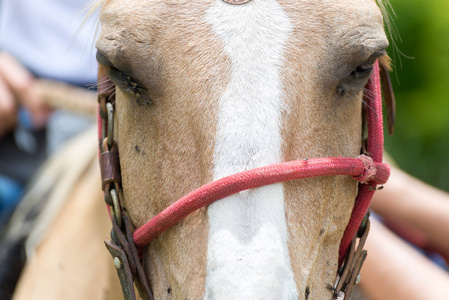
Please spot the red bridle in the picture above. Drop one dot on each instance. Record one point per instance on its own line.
(367, 169)
(368, 173)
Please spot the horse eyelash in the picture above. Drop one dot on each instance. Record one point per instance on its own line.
(131, 87)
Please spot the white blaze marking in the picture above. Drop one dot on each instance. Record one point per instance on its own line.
(247, 248)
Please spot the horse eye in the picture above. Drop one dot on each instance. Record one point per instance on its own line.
(122, 80)
(127, 84)
(364, 70)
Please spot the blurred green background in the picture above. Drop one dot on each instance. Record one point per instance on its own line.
(420, 144)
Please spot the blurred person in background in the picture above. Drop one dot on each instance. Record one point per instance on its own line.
(408, 267)
(38, 39)
(408, 244)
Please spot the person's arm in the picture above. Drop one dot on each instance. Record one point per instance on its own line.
(394, 270)
(16, 88)
(416, 203)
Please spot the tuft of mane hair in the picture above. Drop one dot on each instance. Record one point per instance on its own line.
(386, 62)
(93, 7)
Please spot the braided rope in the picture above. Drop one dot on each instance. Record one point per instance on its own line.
(254, 178)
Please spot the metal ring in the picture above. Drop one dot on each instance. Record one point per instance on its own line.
(108, 199)
(110, 123)
(103, 134)
(116, 207)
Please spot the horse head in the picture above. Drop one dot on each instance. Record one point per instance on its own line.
(207, 89)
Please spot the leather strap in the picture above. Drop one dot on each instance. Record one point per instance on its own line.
(390, 102)
(123, 269)
(110, 167)
(349, 274)
(127, 260)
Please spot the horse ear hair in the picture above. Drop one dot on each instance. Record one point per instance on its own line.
(387, 91)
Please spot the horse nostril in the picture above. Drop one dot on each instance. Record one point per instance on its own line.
(307, 293)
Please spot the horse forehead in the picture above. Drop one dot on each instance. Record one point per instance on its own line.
(330, 12)
(179, 33)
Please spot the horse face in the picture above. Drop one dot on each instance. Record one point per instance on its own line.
(206, 89)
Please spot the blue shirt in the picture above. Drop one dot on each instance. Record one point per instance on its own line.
(46, 36)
